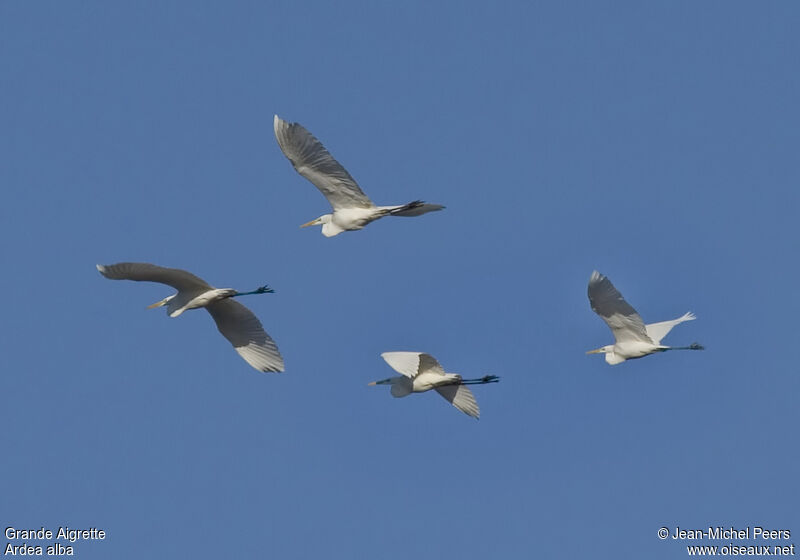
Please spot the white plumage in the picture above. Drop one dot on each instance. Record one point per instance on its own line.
(352, 209)
(421, 372)
(236, 322)
(633, 338)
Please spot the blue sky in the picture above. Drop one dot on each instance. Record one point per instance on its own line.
(654, 142)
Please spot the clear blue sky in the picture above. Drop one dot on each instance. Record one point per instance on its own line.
(654, 142)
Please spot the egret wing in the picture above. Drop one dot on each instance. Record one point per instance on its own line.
(411, 364)
(657, 331)
(311, 160)
(460, 397)
(622, 319)
(428, 364)
(243, 329)
(179, 279)
(405, 363)
(401, 387)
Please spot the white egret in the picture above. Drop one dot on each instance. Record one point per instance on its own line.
(236, 323)
(633, 338)
(421, 372)
(352, 209)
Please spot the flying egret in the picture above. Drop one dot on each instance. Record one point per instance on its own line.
(352, 209)
(236, 323)
(633, 338)
(421, 372)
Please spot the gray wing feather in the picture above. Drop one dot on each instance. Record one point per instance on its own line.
(179, 279)
(460, 397)
(622, 319)
(401, 387)
(311, 160)
(243, 329)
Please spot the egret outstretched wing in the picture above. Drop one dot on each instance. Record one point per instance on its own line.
(460, 397)
(402, 386)
(657, 331)
(179, 279)
(622, 319)
(236, 323)
(243, 329)
(310, 158)
(411, 364)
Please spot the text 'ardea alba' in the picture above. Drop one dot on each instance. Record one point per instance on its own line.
(352, 209)
(421, 372)
(633, 338)
(236, 323)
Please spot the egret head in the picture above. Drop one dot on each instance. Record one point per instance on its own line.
(607, 350)
(611, 357)
(161, 303)
(324, 219)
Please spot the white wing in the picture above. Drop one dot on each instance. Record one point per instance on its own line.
(428, 364)
(145, 272)
(311, 160)
(657, 331)
(243, 329)
(460, 397)
(621, 318)
(412, 364)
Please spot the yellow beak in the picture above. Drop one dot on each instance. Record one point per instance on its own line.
(598, 351)
(157, 304)
(311, 223)
(373, 383)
